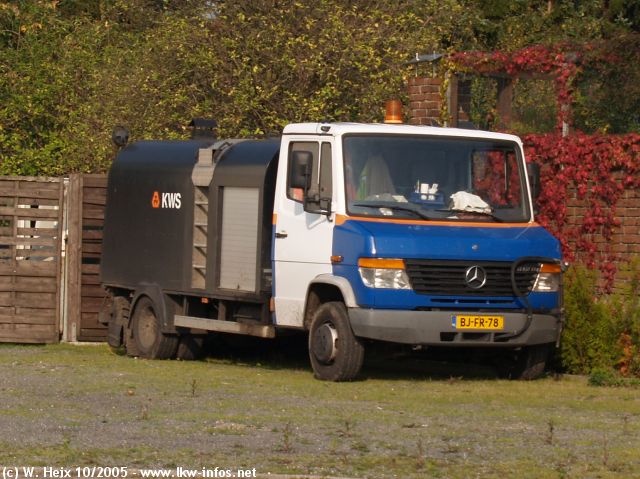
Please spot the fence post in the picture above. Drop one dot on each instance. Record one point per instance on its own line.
(73, 259)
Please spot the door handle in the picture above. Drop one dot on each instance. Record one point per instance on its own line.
(281, 234)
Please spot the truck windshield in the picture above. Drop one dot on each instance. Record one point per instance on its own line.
(435, 178)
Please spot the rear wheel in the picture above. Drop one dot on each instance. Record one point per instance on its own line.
(527, 364)
(148, 339)
(335, 353)
(190, 347)
(118, 321)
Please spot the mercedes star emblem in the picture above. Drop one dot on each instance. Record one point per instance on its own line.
(475, 277)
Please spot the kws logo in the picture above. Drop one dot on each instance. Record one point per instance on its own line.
(166, 200)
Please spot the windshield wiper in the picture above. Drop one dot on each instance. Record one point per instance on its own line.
(398, 207)
(496, 218)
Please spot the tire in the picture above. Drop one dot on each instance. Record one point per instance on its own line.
(148, 340)
(335, 353)
(190, 347)
(527, 365)
(118, 320)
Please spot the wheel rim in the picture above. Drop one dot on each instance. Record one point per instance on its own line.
(324, 344)
(146, 328)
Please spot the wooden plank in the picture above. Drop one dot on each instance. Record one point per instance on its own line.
(35, 300)
(50, 242)
(91, 305)
(40, 313)
(92, 224)
(24, 202)
(91, 317)
(30, 268)
(22, 319)
(92, 335)
(46, 340)
(35, 256)
(92, 235)
(32, 193)
(90, 269)
(30, 213)
(74, 257)
(40, 232)
(35, 339)
(7, 283)
(34, 333)
(93, 291)
(90, 320)
(90, 279)
(92, 247)
(94, 181)
(31, 329)
(37, 179)
(93, 212)
(34, 285)
(7, 298)
(94, 196)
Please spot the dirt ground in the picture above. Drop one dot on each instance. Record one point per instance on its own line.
(68, 405)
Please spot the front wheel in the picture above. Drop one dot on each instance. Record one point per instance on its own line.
(335, 353)
(528, 364)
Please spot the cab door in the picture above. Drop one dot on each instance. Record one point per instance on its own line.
(303, 238)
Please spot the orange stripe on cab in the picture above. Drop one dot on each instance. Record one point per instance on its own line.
(342, 219)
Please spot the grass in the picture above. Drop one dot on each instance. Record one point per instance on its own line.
(83, 405)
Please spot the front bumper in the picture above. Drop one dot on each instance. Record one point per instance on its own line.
(434, 328)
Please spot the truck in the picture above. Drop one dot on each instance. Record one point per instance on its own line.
(353, 233)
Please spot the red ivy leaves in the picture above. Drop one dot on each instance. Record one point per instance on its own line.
(555, 61)
(595, 168)
(598, 168)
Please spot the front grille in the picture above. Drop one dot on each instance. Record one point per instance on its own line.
(448, 277)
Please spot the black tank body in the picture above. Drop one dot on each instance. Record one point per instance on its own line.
(149, 218)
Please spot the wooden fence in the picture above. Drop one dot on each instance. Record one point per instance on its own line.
(30, 259)
(86, 201)
(50, 245)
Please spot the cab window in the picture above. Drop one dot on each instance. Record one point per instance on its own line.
(321, 185)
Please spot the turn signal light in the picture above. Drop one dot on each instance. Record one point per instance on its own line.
(551, 268)
(380, 263)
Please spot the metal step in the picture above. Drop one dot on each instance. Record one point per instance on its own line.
(260, 331)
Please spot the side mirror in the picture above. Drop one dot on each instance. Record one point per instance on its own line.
(533, 172)
(300, 170)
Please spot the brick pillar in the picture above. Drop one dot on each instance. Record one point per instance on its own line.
(424, 101)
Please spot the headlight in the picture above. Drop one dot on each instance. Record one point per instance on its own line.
(548, 280)
(383, 273)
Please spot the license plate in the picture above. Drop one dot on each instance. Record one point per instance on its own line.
(483, 323)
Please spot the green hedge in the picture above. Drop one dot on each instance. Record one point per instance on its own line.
(602, 332)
